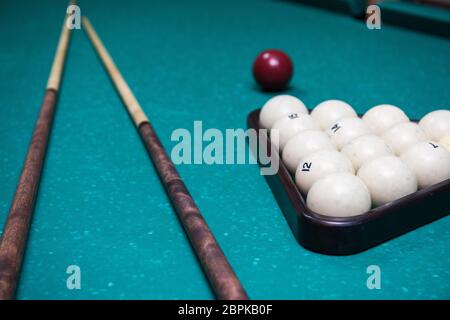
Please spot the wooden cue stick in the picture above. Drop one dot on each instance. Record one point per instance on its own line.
(15, 233)
(219, 272)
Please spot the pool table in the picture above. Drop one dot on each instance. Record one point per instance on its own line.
(101, 205)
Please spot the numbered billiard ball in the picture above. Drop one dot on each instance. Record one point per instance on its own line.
(272, 70)
(279, 106)
(303, 144)
(330, 111)
(289, 126)
(345, 130)
(429, 161)
(319, 165)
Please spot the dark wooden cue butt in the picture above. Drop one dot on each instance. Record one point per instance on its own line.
(223, 280)
(15, 233)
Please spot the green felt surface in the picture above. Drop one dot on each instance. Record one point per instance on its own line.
(100, 203)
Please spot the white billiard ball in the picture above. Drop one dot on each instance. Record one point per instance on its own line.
(429, 161)
(339, 195)
(330, 111)
(279, 106)
(445, 141)
(388, 179)
(290, 125)
(384, 116)
(436, 124)
(319, 165)
(366, 148)
(345, 130)
(303, 144)
(403, 135)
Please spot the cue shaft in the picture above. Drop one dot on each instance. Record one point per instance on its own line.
(15, 233)
(218, 270)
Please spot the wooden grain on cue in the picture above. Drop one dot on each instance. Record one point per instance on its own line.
(15, 233)
(219, 272)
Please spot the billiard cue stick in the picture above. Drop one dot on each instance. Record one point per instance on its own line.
(218, 270)
(15, 233)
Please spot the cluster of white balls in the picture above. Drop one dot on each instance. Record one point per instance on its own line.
(345, 165)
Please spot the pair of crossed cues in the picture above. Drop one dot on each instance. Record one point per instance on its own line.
(223, 280)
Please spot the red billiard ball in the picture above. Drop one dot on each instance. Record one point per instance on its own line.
(272, 70)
